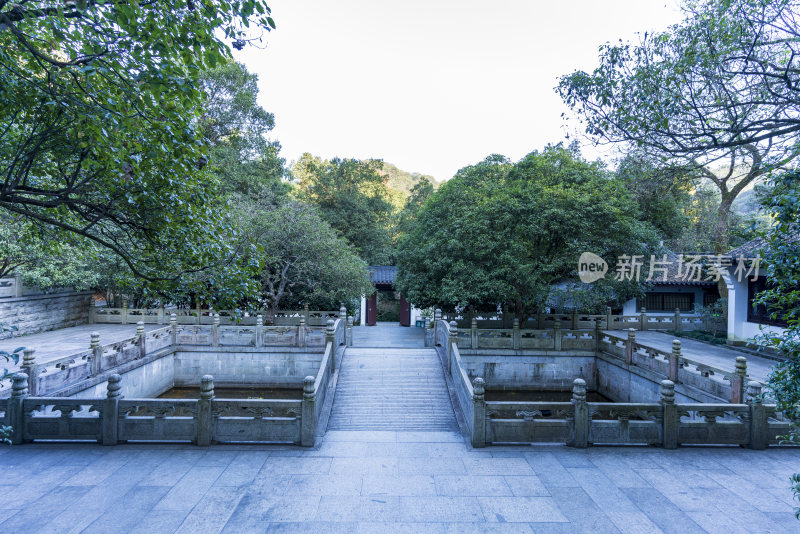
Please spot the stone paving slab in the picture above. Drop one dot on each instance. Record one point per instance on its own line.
(388, 483)
(718, 356)
(65, 341)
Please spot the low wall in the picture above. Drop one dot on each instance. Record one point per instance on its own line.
(529, 369)
(38, 313)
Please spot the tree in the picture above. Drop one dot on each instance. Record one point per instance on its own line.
(419, 193)
(505, 234)
(782, 259)
(235, 128)
(352, 197)
(715, 93)
(302, 259)
(99, 108)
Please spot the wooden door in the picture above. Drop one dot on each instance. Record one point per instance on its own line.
(405, 312)
(372, 309)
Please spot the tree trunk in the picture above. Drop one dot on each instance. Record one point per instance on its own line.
(721, 241)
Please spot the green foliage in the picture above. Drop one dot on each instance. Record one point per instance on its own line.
(404, 181)
(504, 234)
(99, 116)
(420, 192)
(353, 198)
(302, 260)
(13, 356)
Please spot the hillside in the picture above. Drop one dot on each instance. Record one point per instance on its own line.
(403, 181)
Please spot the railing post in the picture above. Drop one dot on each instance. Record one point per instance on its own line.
(198, 313)
(515, 335)
(677, 319)
(173, 328)
(758, 417)
(737, 380)
(580, 431)
(259, 332)
(342, 312)
(31, 369)
(451, 340)
(92, 312)
(140, 339)
(598, 334)
(308, 422)
(428, 341)
(473, 327)
(307, 314)
(670, 430)
(539, 320)
(609, 319)
(124, 316)
(204, 410)
(330, 337)
(161, 315)
(349, 331)
(16, 412)
(643, 319)
(575, 319)
(630, 345)
(478, 413)
(675, 360)
(111, 411)
(215, 331)
(437, 316)
(97, 353)
(301, 332)
(557, 333)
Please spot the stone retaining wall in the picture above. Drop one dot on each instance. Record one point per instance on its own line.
(38, 313)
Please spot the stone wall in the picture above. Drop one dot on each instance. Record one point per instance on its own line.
(38, 313)
(518, 370)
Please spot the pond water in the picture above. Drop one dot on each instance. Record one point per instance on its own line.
(235, 393)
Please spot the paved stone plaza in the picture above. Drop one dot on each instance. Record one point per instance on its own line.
(394, 482)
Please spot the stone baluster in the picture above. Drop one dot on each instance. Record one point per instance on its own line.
(31, 368)
(204, 410)
(738, 380)
(259, 331)
(678, 321)
(330, 337)
(161, 315)
(342, 313)
(308, 418)
(437, 316)
(173, 328)
(452, 341)
(515, 334)
(580, 432)
(307, 314)
(97, 353)
(428, 340)
(575, 319)
(124, 315)
(473, 333)
(675, 360)
(758, 417)
(15, 413)
(630, 346)
(539, 320)
(643, 319)
(478, 413)
(598, 333)
(557, 333)
(301, 333)
(215, 331)
(140, 339)
(111, 410)
(349, 331)
(670, 415)
(609, 319)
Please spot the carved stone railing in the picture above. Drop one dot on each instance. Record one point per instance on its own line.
(674, 366)
(60, 373)
(127, 315)
(667, 424)
(113, 419)
(582, 321)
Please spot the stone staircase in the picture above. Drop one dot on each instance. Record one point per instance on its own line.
(400, 389)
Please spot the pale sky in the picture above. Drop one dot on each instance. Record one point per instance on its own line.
(432, 86)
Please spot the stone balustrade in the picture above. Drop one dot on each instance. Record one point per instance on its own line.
(746, 421)
(127, 315)
(115, 419)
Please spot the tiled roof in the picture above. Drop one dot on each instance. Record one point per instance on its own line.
(673, 274)
(752, 247)
(382, 274)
